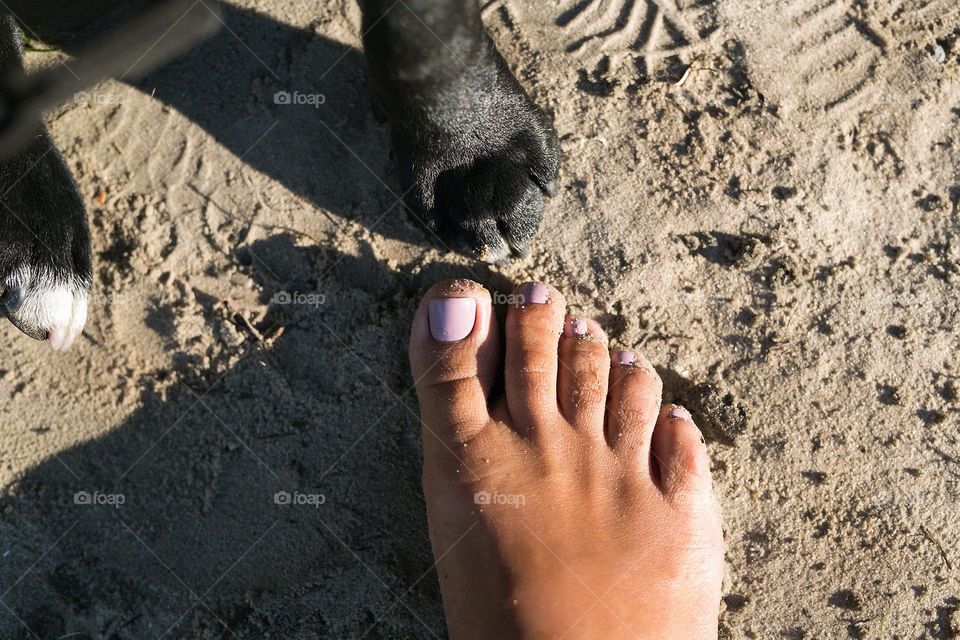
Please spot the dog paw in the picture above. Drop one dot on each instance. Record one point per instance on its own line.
(45, 265)
(475, 164)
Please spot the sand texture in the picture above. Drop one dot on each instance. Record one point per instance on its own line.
(763, 196)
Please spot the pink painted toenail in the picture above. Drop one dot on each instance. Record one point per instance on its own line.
(451, 319)
(579, 327)
(534, 293)
(680, 413)
(625, 358)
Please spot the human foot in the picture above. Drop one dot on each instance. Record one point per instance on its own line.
(572, 505)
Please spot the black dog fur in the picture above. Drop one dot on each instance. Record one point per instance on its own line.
(474, 154)
(44, 238)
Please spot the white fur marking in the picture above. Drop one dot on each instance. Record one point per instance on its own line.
(44, 300)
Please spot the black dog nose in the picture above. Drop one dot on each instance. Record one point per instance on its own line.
(10, 304)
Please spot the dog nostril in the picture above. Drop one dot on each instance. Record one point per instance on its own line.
(10, 299)
(5, 309)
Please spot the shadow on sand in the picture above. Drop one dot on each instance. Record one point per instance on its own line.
(274, 492)
(173, 524)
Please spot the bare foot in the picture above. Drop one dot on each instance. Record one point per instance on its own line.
(572, 505)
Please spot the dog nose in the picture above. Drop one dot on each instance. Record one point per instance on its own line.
(54, 313)
(10, 304)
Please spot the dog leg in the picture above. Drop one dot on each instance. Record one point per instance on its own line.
(474, 154)
(45, 266)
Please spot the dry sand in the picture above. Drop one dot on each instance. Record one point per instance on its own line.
(782, 225)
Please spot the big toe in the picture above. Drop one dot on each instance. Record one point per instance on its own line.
(453, 358)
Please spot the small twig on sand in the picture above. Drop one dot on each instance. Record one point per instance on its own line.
(240, 318)
(281, 227)
(943, 554)
(690, 69)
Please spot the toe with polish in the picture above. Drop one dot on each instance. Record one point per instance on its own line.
(452, 319)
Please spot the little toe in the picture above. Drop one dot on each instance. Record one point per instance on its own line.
(583, 375)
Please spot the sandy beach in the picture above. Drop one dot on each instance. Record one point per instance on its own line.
(764, 197)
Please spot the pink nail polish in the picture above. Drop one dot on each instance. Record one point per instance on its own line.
(534, 293)
(451, 319)
(578, 327)
(625, 358)
(680, 413)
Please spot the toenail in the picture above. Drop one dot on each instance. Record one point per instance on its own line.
(451, 319)
(534, 293)
(680, 413)
(578, 327)
(625, 358)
